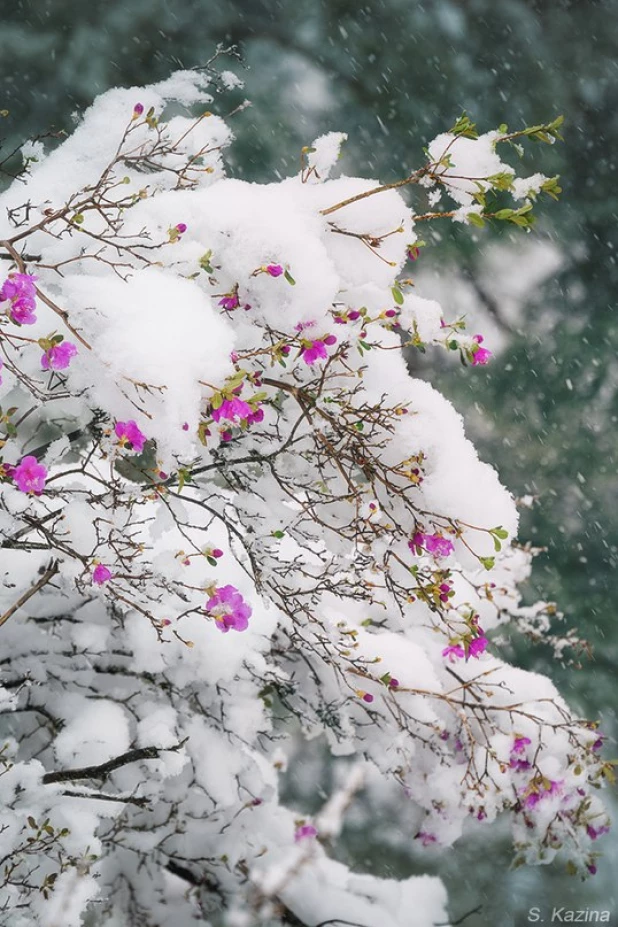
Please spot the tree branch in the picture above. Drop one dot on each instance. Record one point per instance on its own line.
(45, 578)
(104, 769)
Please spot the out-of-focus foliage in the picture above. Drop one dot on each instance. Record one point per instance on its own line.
(394, 73)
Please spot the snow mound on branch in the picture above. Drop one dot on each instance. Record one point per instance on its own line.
(140, 362)
(97, 732)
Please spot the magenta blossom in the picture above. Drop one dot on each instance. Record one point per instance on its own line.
(434, 544)
(305, 832)
(537, 792)
(316, 350)
(230, 302)
(20, 289)
(59, 356)
(29, 476)
(101, 574)
(594, 832)
(129, 433)
(232, 410)
(138, 109)
(520, 744)
(477, 646)
(480, 356)
(274, 270)
(181, 228)
(229, 609)
(454, 652)
(426, 838)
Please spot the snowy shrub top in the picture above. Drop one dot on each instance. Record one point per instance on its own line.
(228, 515)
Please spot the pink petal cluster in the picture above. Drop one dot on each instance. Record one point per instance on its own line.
(594, 832)
(229, 609)
(454, 652)
(477, 646)
(480, 356)
(29, 476)
(517, 758)
(426, 838)
(316, 350)
(434, 544)
(232, 410)
(101, 574)
(305, 832)
(230, 302)
(539, 792)
(138, 109)
(129, 433)
(274, 270)
(59, 357)
(20, 289)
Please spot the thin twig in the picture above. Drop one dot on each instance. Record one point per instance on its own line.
(45, 578)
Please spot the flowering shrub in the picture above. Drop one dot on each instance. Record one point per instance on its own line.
(222, 435)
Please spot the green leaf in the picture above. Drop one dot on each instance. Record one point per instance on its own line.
(504, 214)
(464, 127)
(397, 295)
(290, 279)
(278, 534)
(473, 218)
(500, 533)
(488, 562)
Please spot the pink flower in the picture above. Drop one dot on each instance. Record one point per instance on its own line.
(59, 357)
(29, 475)
(393, 683)
(305, 832)
(426, 838)
(274, 270)
(434, 544)
(230, 302)
(316, 350)
(413, 252)
(477, 647)
(229, 609)
(101, 574)
(20, 289)
(594, 832)
(138, 109)
(232, 410)
(444, 592)
(181, 228)
(520, 744)
(537, 792)
(129, 433)
(18, 286)
(480, 356)
(454, 652)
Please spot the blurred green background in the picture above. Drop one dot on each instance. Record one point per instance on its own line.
(393, 74)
